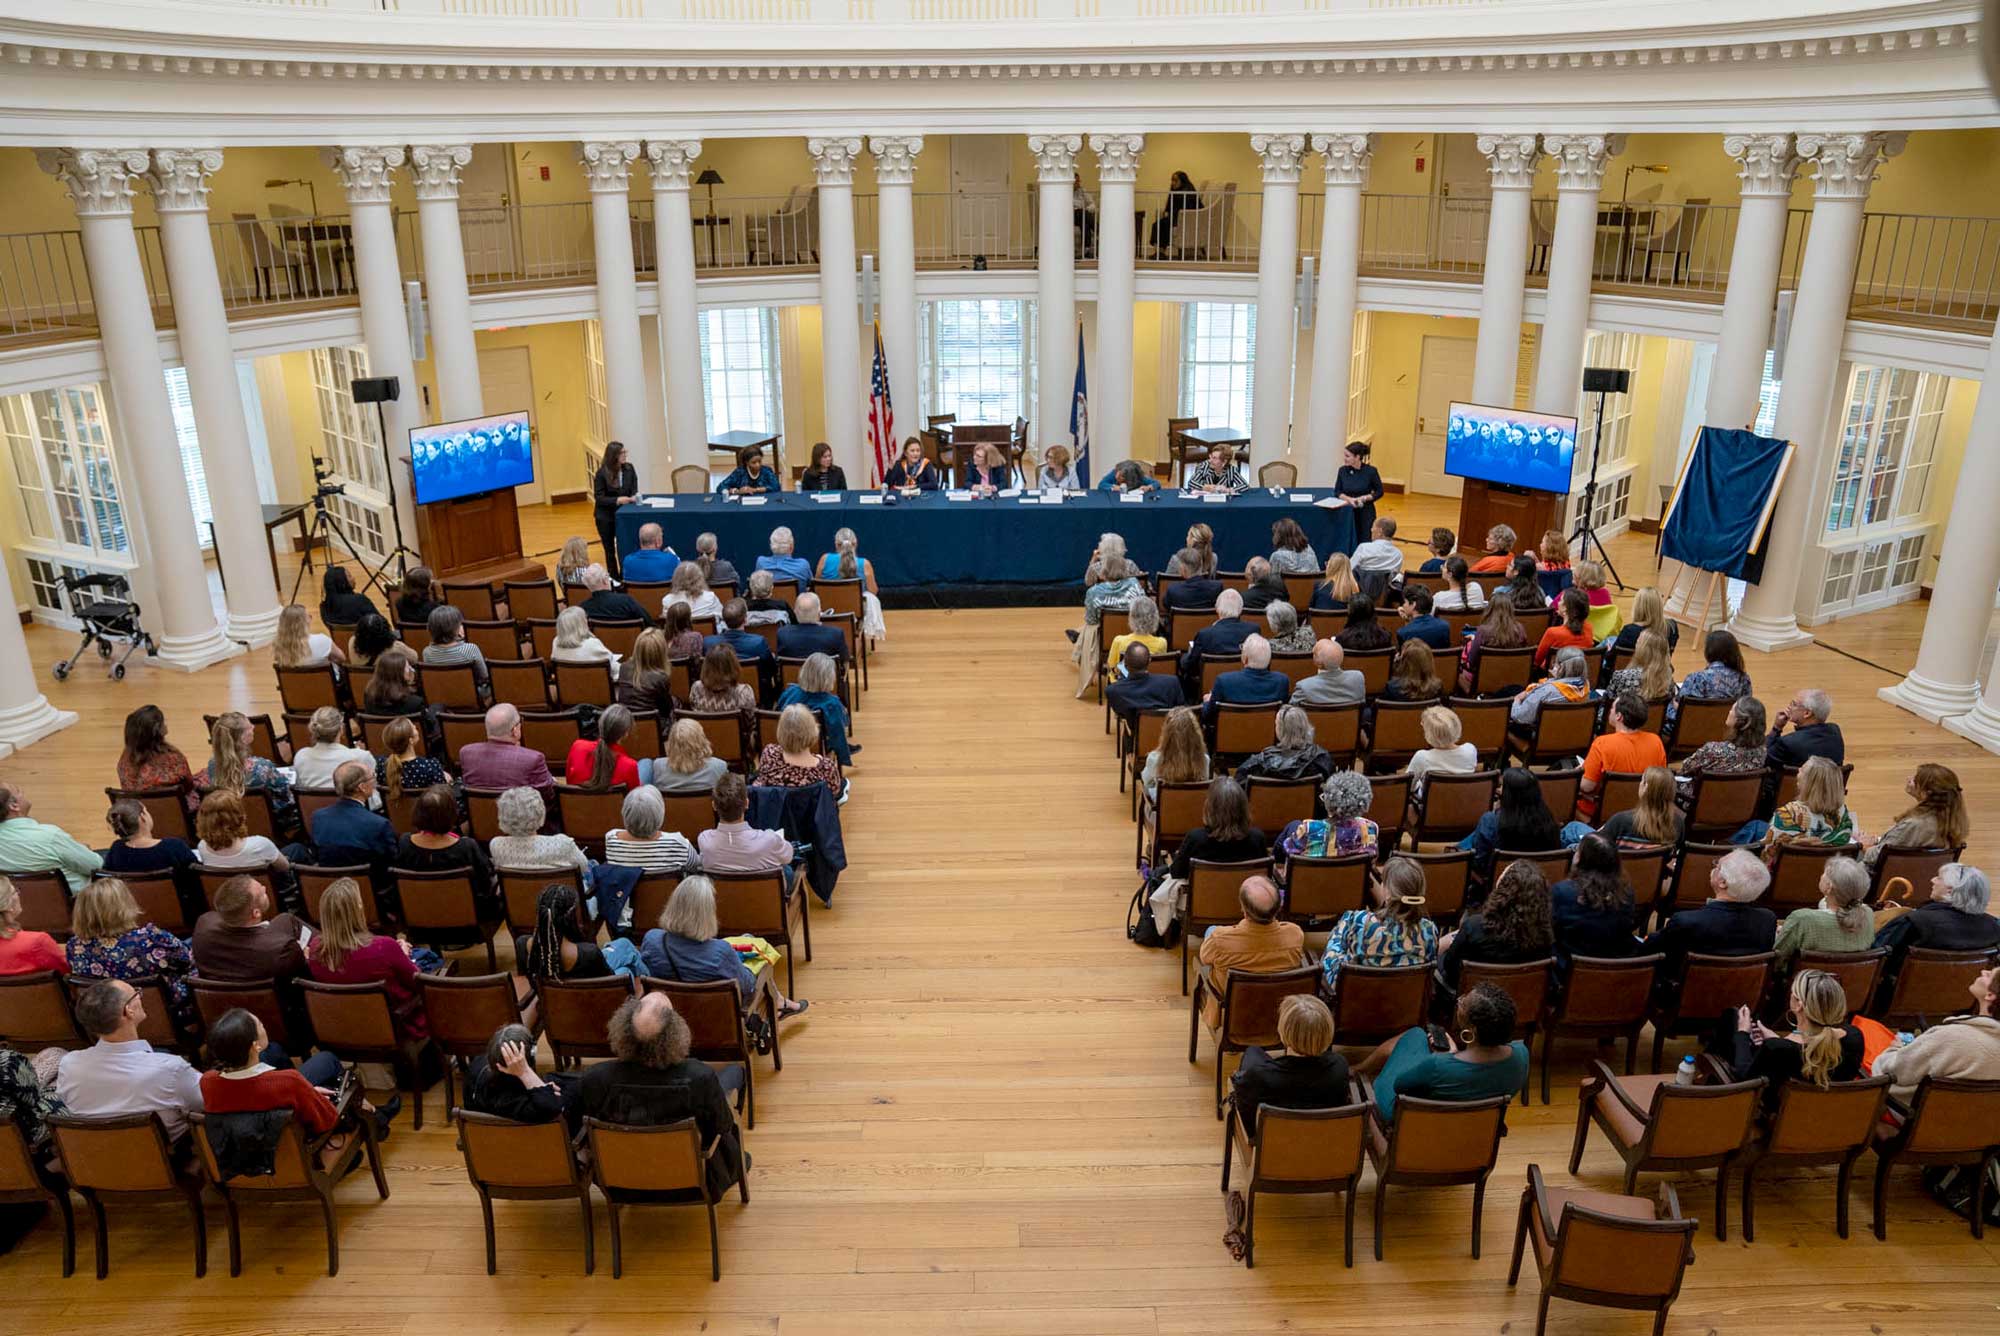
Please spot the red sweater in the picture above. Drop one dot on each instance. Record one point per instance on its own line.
(27, 951)
(275, 1089)
(583, 760)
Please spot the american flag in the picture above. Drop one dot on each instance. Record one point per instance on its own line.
(881, 417)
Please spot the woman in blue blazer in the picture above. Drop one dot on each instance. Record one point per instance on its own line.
(751, 477)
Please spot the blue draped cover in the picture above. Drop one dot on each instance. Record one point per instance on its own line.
(1723, 497)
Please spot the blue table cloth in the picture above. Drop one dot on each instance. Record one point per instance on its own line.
(930, 540)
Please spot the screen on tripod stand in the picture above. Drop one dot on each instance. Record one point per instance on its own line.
(1509, 446)
(485, 454)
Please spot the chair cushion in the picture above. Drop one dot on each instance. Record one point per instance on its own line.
(1619, 1122)
(1541, 1232)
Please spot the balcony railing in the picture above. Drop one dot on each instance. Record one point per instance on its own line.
(44, 287)
(1681, 250)
(1928, 270)
(1213, 229)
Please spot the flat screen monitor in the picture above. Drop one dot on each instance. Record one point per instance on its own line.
(1510, 447)
(454, 459)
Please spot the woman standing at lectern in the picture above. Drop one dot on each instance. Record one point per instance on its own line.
(1361, 485)
(615, 484)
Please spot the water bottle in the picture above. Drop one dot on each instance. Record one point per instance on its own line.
(1684, 1075)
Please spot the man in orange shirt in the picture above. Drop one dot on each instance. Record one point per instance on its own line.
(1627, 750)
(1258, 943)
(1499, 552)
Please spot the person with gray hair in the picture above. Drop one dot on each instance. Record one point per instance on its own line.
(120, 1073)
(344, 832)
(651, 1081)
(1808, 716)
(1110, 546)
(714, 569)
(504, 1083)
(606, 604)
(817, 689)
(1263, 584)
(1731, 924)
(686, 947)
(761, 606)
(783, 560)
(1955, 918)
(1841, 921)
(521, 843)
(1255, 683)
(643, 841)
(1223, 638)
(1346, 797)
(1294, 755)
(1333, 684)
(501, 762)
(809, 635)
(1499, 556)
(1568, 680)
(1287, 635)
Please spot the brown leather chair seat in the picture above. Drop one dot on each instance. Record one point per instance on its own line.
(1622, 1124)
(1610, 1203)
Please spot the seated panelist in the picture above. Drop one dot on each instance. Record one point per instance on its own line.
(912, 472)
(750, 477)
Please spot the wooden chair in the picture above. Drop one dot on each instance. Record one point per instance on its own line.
(1502, 671)
(1708, 986)
(1483, 723)
(728, 734)
(298, 1174)
(1795, 874)
(1604, 1249)
(1319, 890)
(522, 683)
(1389, 806)
(617, 636)
(552, 734)
(482, 811)
(757, 904)
(532, 599)
(1601, 999)
(1689, 887)
(576, 1014)
(1180, 450)
(649, 898)
(210, 879)
(1295, 1151)
(1696, 722)
(264, 741)
(442, 910)
(1560, 729)
(1374, 666)
(1561, 790)
(1249, 1016)
(1244, 730)
(463, 1012)
(1448, 878)
(1296, 665)
(1816, 1125)
(1644, 866)
(1276, 803)
(1657, 1125)
(372, 726)
(1136, 741)
(714, 1015)
(1214, 666)
(158, 895)
(542, 637)
(585, 684)
(307, 689)
(1930, 986)
(1338, 729)
(213, 998)
(1915, 865)
(462, 730)
(1213, 901)
(587, 816)
(127, 1158)
(356, 1021)
(575, 594)
(522, 1162)
(1951, 1122)
(1184, 624)
(35, 1013)
(649, 1166)
(168, 807)
(1451, 805)
(311, 802)
(1858, 972)
(473, 598)
(1617, 792)
(1376, 1002)
(26, 1181)
(45, 902)
(1553, 864)
(1527, 982)
(158, 1029)
(1718, 805)
(1398, 733)
(454, 686)
(1434, 1143)
(521, 890)
(1174, 809)
(1299, 588)
(689, 814)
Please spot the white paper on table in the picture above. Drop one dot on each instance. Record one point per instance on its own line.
(1010, 491)
(869, 499)
(826, 498)
(1031, 501)
(664, 502)
(1052, 498)
(1131, 498)
(1303, 498)
(1333, 503)
(956, 495)
(754, 500)
(1215, 496)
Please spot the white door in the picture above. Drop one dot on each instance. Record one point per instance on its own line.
(1445, 375)
(507, 385)
(981, 222)
(1465, 192)
(484, 218)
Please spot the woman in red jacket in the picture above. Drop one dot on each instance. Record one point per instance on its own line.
(603, 764)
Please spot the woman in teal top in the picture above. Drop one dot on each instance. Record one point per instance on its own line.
(1482, 1061)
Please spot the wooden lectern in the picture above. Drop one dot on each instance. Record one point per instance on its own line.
(1483, 505)
(475, 538)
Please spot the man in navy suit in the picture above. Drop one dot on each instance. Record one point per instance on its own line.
(752, 650)
(807, 636)
(1225, 636)
(1252, 684)
(1141, 688)
(347, 834)
(1729, 925)
(1190, 590)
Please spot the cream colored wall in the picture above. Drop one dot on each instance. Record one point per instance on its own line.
(556, 367)
(1953, 432)
(1395, 356)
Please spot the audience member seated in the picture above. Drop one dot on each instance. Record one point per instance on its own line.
(28, 845)
(720, 688)
(1935, 820)
(1461, 593)
(313, 766)
(576, 643)
(1739, 752)
(109, 942)
(1224, 637)
(1291, 551)
(689, 766)
(1293, 755)
(1287, 636)
(602, 763)
(1443, 543)
(339, 605)
(1483, 1060)
(1258, 943)
(401, 770)
(794, 760)
(1511, 926)
(1262, 586)
(1303, 1072)
(1568, 681)
(1139, 688)
(1811, 734)
(505, 1084)
(1649, 613)
(1841, 921)
(136, 848)
(1593, 911)
(226, 841)
(651, 1081)
(1955, 918)
(843, 564)
(1520, 823)
(1380, 556)
(521, 843)
(373, 638)
(606, 604)
(120, 1073)
(714, 569)
(690, 588)
(1144, 616)
(244, 1085)
(1654, 820)
(1333, 683)
(24, 950)
(1225, 834)
(297, 645)
(416, 597)
(1346, 829)
(1521, 587)
(1217, 473)
(149, 761)
(912, 472)
(1255, 683)
(1393, 931)
(1959, 1048)
(687, 947)
(1182, 755)
(1605, 619)
(501, 762)
(1627, 749)
(449, 647)
(575, 555)
(1723, 678)
(1818, 814)
(392, 689)
(1420, 621)
(816, 691)
(733, 844)
(1731, 924)
(643, 842)
(563, 945)
(1499, 554)
(644, 681)
(753, 652)
(433, 844)
(1363, 631)
(344, 832)
(1572, 631)
(1191, 588)
(762, 606)
(1820, 1046)
(1447, 751)
(1337, 585)
(29, 1102)
(1413, 674)
(653, 562)
(1650, 675)
(344, 951)
(242, 940)
(1498, 629)
(233, 764)
(1553, 573)
(810, 635)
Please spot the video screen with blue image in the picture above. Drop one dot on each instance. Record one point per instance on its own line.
(1511, 447)
(454, 459)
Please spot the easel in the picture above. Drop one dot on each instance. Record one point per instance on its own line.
(1717, 580)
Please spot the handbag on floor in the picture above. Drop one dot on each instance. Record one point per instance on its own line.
(1144, 924)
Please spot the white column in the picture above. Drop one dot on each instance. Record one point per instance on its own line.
(175, 601)
(367, 172)
(1277, 297)
(608, 165)
(1347, 157)
(1502, 288)
(1844, 168)
(1055, 286)
(435, 168)
(25, 713)
(1580, 163)
(840, 305)
(1767, 166)
(680, 313)
(180, 192)
(1117, 243)
(1945, 681)
(896, 262)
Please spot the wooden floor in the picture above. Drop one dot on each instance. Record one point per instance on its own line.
(987, 1123)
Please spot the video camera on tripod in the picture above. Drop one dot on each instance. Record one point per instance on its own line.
(322, 489)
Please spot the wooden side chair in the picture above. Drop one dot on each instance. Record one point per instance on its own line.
(495, 640)
(1560, 729)
(1376, 1002)
(1451, 805)
(1601, 999)
(1795, 874)
(168, 808)
(652, 1165)
(1659, 1126)
(552, 734)
(1913, 864)
(522, 1162)
(1708, 987)
(587, 815)
(1931, 985)
(1213, 900)
(1528, 983)
(1319, 890)
(714, 1013)
(1604, 1249)
(757, 904)
(1447, 882)
(1718, 805)
(522, 683)
(213, 998)
(1435, 1143)
(1276, 803)
(1696, 722)
(455, 686)
(576, 1014)
(1483, 723)
(1296, 1151)
(127, 1158)
(1816, 1125)
(584, 684)
(45, 902)
(356, 1021)
(521, 891)
(442, 910)
(25, 1179)
(35, 1013)
(1389, 806)
(1951, 1122)
(463, 1012)
(1249, 1017)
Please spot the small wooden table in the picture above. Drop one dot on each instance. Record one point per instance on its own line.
(736, 442)
(708, 223)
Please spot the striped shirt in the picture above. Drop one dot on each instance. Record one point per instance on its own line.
(669, 853)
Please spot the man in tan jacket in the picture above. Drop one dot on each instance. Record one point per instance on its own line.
(1258, 943)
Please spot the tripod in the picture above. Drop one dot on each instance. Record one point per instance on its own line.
(323, 524)
(1585, 536)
